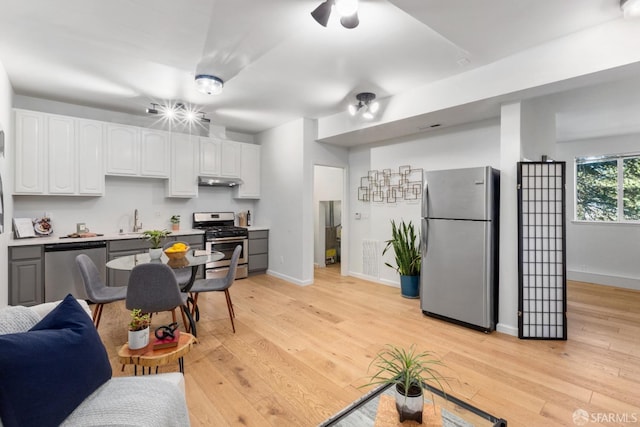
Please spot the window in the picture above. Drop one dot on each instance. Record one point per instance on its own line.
(608, 188)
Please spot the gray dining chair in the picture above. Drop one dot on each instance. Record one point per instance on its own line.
(96, 290)
(218, 285)
(153, 288)
(183, 275)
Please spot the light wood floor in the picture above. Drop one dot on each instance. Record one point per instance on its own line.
(300, 353)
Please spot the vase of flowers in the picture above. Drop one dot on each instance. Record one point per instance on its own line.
(139, 329)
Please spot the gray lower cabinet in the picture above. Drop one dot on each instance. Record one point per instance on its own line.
(26, 282)
(119, 248)
(258, 251)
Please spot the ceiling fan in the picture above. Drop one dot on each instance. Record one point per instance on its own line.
(348, 10)
(230, 45)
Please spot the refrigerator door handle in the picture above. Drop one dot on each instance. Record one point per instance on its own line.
(424, 240)
(425, 200)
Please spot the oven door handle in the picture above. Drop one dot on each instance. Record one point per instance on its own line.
(226, 239)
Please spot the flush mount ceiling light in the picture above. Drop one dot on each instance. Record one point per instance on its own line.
(348, 10)
(178, 111)
(366, 106)
(211, 85)
(630, 8)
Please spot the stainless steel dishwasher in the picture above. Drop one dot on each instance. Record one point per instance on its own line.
(61, 274)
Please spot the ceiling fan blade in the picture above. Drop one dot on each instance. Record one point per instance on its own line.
(321, 13)
(231, 45)
(350, 21)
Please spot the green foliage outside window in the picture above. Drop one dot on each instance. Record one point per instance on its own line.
(631, 184)
(599, 192)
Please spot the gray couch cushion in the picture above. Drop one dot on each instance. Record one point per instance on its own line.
(132, 401)
(17, 319)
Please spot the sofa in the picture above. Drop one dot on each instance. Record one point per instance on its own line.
(54, 370)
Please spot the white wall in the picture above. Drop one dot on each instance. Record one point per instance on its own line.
(476, 144)
(510, 154)
(281, 204)
(359, 220)
(6, 172)
(114, 210)
(600, 253)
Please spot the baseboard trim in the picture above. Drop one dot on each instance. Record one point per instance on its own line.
(507, 329)
(289, 278)
(374, 279)
(604, 279)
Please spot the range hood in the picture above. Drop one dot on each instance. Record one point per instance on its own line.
(208, 181)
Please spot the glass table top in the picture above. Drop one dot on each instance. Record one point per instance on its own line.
(454, 412)
(193, 258)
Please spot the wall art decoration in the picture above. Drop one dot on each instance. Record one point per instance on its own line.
(387, 186)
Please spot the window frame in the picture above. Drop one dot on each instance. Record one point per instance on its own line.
(619, 158)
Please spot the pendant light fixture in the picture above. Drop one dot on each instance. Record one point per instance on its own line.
(348, 10)
(179, 112)
(209, 84)
(367, 107)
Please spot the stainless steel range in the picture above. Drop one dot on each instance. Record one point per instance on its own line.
(222, 236)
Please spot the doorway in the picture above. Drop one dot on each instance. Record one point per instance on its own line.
(328, 216)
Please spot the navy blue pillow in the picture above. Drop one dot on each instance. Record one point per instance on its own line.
(47, 372)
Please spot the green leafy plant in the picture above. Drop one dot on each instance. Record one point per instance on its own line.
(406, 246)
(139, 320)
(155, 237)
(175, 219)
(407, 369)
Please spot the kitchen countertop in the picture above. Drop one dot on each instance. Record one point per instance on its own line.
(107, 236)
(256, 228)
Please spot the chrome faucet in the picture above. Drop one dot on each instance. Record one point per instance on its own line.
(137, 225)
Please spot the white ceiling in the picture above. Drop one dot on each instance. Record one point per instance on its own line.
(277, 62)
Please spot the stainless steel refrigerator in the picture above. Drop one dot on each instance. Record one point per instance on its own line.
(459, 276)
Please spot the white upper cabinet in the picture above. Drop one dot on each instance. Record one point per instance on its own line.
(62, 155)
(123, 150)
(249, 172)
(58, 155)
(210, 152)
(30, 160)
(230, 154)
(135, 151)
(154, 153)
(90, 154)
(183, 180)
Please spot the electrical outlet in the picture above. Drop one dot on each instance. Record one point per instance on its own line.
(157, 214)
(281, 260)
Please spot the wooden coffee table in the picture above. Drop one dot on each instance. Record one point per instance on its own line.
(148, 357)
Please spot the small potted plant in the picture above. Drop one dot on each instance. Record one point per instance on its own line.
(139, 329)
(175, 222)
(155, 237)
(408, 370)
(406, 246)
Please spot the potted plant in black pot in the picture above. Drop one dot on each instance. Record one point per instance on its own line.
(406, 246)
(408, 370)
